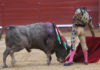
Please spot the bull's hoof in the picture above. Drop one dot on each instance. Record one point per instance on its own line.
(48, 63)
(13, 62)
(4, 66)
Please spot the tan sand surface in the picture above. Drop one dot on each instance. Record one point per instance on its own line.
(36, 60)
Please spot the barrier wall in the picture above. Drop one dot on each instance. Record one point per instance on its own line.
(99, 12)
(22, 12)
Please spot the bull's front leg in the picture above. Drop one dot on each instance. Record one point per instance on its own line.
(49, 58)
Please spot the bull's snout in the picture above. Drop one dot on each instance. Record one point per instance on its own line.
(60, 60)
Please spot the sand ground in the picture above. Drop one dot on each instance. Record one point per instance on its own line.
(36, 60)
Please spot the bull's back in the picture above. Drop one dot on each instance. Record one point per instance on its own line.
(40, 33)
(41, 30)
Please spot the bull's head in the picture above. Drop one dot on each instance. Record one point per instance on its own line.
(61, 52)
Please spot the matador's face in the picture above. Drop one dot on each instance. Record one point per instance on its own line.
(78, 16)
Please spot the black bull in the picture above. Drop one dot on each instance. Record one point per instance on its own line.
(35, 36)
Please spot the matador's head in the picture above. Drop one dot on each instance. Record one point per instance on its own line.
(79, 12)
(82, 14)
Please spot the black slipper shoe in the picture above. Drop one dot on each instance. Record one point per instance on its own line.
(68, 64)
(86, 63)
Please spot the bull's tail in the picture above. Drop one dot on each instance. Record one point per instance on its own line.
(1, 33)
(7, 27)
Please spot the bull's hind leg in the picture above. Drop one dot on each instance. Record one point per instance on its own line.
(13, 58)
(5, 54)
(49, 58)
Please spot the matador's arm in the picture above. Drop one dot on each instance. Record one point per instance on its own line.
(91, 28)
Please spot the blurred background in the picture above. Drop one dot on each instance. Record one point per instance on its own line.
(23, 12)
